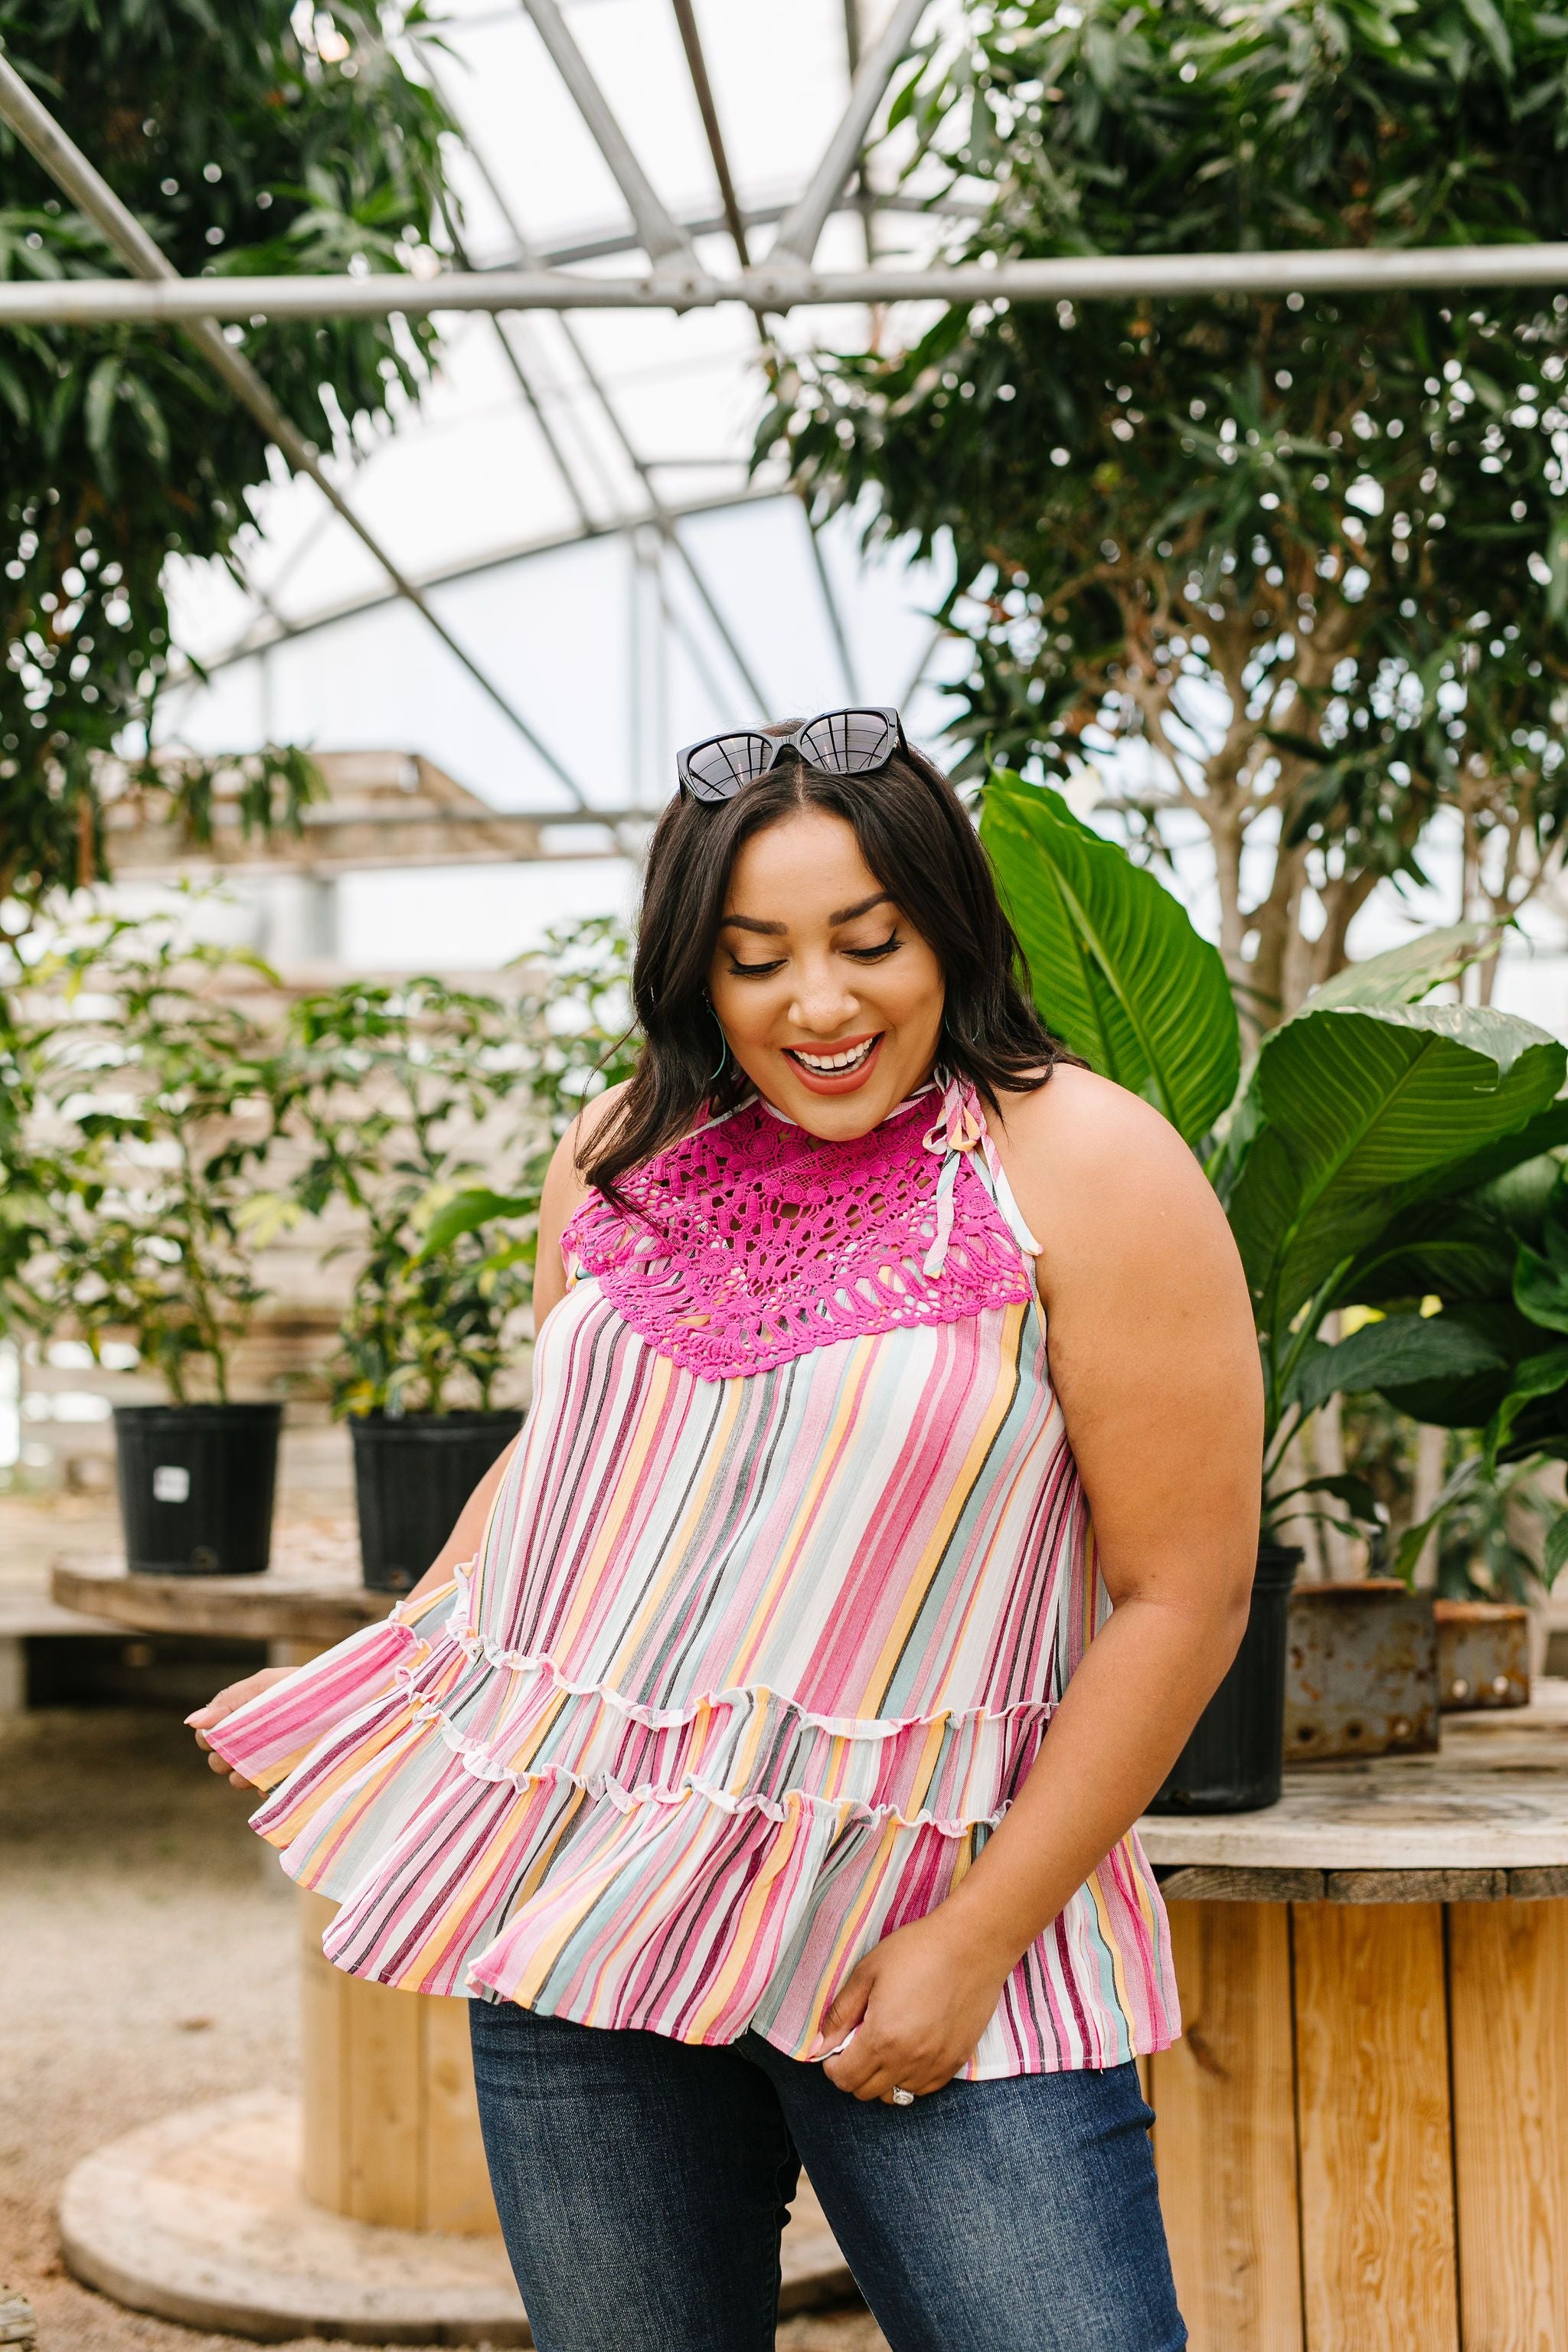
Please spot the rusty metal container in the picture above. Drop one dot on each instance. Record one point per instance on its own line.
(1483, 1654)
(1361, 1678)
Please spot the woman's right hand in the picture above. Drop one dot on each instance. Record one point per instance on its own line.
(206, 1718)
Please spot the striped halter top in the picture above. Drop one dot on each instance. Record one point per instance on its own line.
(767, 1624)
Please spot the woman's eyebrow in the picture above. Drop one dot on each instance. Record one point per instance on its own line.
(840, 915)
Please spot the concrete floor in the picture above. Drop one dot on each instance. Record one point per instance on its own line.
(146, 1962)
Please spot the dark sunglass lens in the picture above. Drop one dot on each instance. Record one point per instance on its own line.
(716, 771)
(847, 743)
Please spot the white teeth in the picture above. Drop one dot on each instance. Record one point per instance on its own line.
(828, 1064)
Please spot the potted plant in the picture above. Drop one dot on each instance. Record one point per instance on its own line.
(399, 1094)
(1352, 1157)
(405, 1095)
(149, 1108)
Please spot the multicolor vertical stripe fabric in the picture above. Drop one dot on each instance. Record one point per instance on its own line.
(745, 1671)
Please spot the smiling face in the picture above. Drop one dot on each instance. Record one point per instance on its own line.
(830, 999)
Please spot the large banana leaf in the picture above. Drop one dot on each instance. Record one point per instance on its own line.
(1469, 1400)
(1365, 1111)
(1393, 1353)
(1455, 1249)
(1547, 1131)
(1118, 972)
(1401, 975)
(1521, 1197)
(1404, 975)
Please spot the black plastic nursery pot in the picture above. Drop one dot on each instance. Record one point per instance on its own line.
(196, 1484)
(413, 1474)
(1232, 1762)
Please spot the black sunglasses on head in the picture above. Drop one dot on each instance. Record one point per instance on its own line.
(841, 742)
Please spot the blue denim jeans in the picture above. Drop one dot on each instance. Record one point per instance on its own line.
(642, 2184)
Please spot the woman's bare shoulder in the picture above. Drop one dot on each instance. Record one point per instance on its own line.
(1088, 1116)
(565, 1186)
(594, 1113)
(1084, 1146)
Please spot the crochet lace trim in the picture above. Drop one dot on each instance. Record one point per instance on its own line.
(752, 1240)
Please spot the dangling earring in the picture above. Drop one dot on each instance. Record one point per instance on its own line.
(724, 1041)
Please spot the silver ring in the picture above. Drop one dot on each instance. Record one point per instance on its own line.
(902, 2098)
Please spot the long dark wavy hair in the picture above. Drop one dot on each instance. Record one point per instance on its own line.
(919, 843)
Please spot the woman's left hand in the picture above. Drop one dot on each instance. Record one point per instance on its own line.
(919, 2004)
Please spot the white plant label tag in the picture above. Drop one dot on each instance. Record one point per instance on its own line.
(171, 1482)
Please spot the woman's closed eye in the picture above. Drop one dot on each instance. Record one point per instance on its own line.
(861, 955)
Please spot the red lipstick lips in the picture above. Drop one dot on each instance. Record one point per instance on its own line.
(836, 1082)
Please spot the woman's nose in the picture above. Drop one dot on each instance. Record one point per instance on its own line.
(823, 1004)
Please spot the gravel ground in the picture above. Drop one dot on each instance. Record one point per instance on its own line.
(146, 1962)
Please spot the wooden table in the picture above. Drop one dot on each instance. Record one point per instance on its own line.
(306, 1605)
(1362, 2137)
(391, 2127)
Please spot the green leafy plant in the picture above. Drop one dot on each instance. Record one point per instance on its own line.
(146, 1109)
(1289, 572)
(393, 1091)
(1132, 985)
(1479, 1518)
(578, 1037)
(1353, 1158)
(411, 1099)
(1540, 1295)
(245, 138)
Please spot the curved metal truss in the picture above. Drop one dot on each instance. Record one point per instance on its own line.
(675, 279)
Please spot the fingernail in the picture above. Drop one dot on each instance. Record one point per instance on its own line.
(199, 1716)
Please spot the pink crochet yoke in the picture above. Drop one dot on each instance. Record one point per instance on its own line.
(752, 1241)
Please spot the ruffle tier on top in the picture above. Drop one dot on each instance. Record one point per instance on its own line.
(490, 1827)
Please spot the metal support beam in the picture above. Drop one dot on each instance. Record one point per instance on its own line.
(697, 67)
(859, 192)
(536, 409)
(658, 514)
(71, 171)
(946, 207)
(797, 240)
(520, 374)
(291, 628)
(830, 605)
(663, 240)
(1080, 277)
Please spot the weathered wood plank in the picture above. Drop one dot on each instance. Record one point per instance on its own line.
(455, 2189)
(1202, 1886)
(1415, 1885)
(383, 2104)
(1377, 2208)
(1495, 1798)
(1537, 1885)
(321, 2058)
(281, 1605)
(1508, 1986)
(1224, 2133)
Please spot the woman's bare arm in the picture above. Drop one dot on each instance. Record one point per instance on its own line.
(1155, 1360)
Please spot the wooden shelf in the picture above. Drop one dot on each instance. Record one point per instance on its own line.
(314, 1600)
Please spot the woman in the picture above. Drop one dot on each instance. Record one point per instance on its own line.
(712, 1753)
